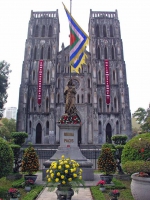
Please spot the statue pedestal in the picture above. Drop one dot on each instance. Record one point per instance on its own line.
(69, 148)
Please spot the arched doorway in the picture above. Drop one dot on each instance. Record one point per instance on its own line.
(38, 134)
(79, 136)
(108, 133)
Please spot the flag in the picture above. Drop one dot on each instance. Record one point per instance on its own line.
(78, 42)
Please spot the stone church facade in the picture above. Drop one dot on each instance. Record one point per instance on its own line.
(99, 119)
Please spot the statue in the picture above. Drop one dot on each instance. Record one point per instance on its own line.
(70, 93)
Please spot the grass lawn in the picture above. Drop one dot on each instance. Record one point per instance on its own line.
(122, 186)
(6, 184)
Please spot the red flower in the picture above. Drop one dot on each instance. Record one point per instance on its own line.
(142, 150)
(101, 182)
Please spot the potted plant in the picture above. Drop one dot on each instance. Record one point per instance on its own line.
(114, 194)
(64, 174)
(28, 184)
(30, 163)
(13, 193)
(107, 165)
(101, 183)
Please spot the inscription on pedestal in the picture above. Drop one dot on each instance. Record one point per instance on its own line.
(68, 134)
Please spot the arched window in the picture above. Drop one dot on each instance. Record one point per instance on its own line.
(78, 98)
(43, 31)
(112, 53)
(99, 77)
(82, 97)
(115, 104)
(104, 31)
(49, 56)
(100, 104)
(97, 31)
(30, 125)
(33, 75)
(47, 128)
(48, 76)
(58, 98)
(111, 31)
(38, 134)
(117, 127)
(107, 108)
(36, 31)
(35, 49)
(50, 31)
(98, 53)
(88, 83)
(89, 98)
(105, 53)
(42, 53)
(114, 77)
(108, 133)
(27, 73)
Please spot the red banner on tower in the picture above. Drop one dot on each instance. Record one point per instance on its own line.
(40, 78)
(107, 83)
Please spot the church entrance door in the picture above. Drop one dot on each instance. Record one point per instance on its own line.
(38, 134)
(108, 133)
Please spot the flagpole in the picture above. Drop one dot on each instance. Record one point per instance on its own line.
(70, 38)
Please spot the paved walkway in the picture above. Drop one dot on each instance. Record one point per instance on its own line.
(82, 194)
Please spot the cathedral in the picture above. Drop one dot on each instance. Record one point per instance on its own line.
(102, 95)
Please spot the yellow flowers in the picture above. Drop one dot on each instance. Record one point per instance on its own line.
(64, 171)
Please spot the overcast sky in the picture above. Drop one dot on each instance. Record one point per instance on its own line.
(134, 17)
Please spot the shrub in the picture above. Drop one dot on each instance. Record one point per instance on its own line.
(138, 148)
(6, 158)
(106, 162)
(119, 139)
(19, 137)
(30, 162)
(131, 167)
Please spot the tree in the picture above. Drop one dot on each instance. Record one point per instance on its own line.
(4, 75)
(7, 126)
(142, 117)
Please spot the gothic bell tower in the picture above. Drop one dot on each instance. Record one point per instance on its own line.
(37, 117)
(112, 109)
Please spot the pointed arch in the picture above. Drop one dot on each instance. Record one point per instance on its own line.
(33, 75)
(105, 53)
(82, 97)
(89, 98)
(99, 127)
(42, 50)
(108, 133)
(98, 53)
(89, 68)
(99, 77)
(58, 83)
(89, 84)
(35, 50)
(47, 128)
(114, 76)
(38, 134)
(32, 105)
(104, 31)
(48, 76)
(97, 30)
(111, 31)
(43, 31)
(49, 55)
(50, 31)
(36, 31)
(112, 53)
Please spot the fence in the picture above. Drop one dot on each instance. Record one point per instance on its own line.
(45, 154)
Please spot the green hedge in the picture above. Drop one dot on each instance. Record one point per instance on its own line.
(131, 167)
(33, 193)
(138, 148)
(96, 193)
